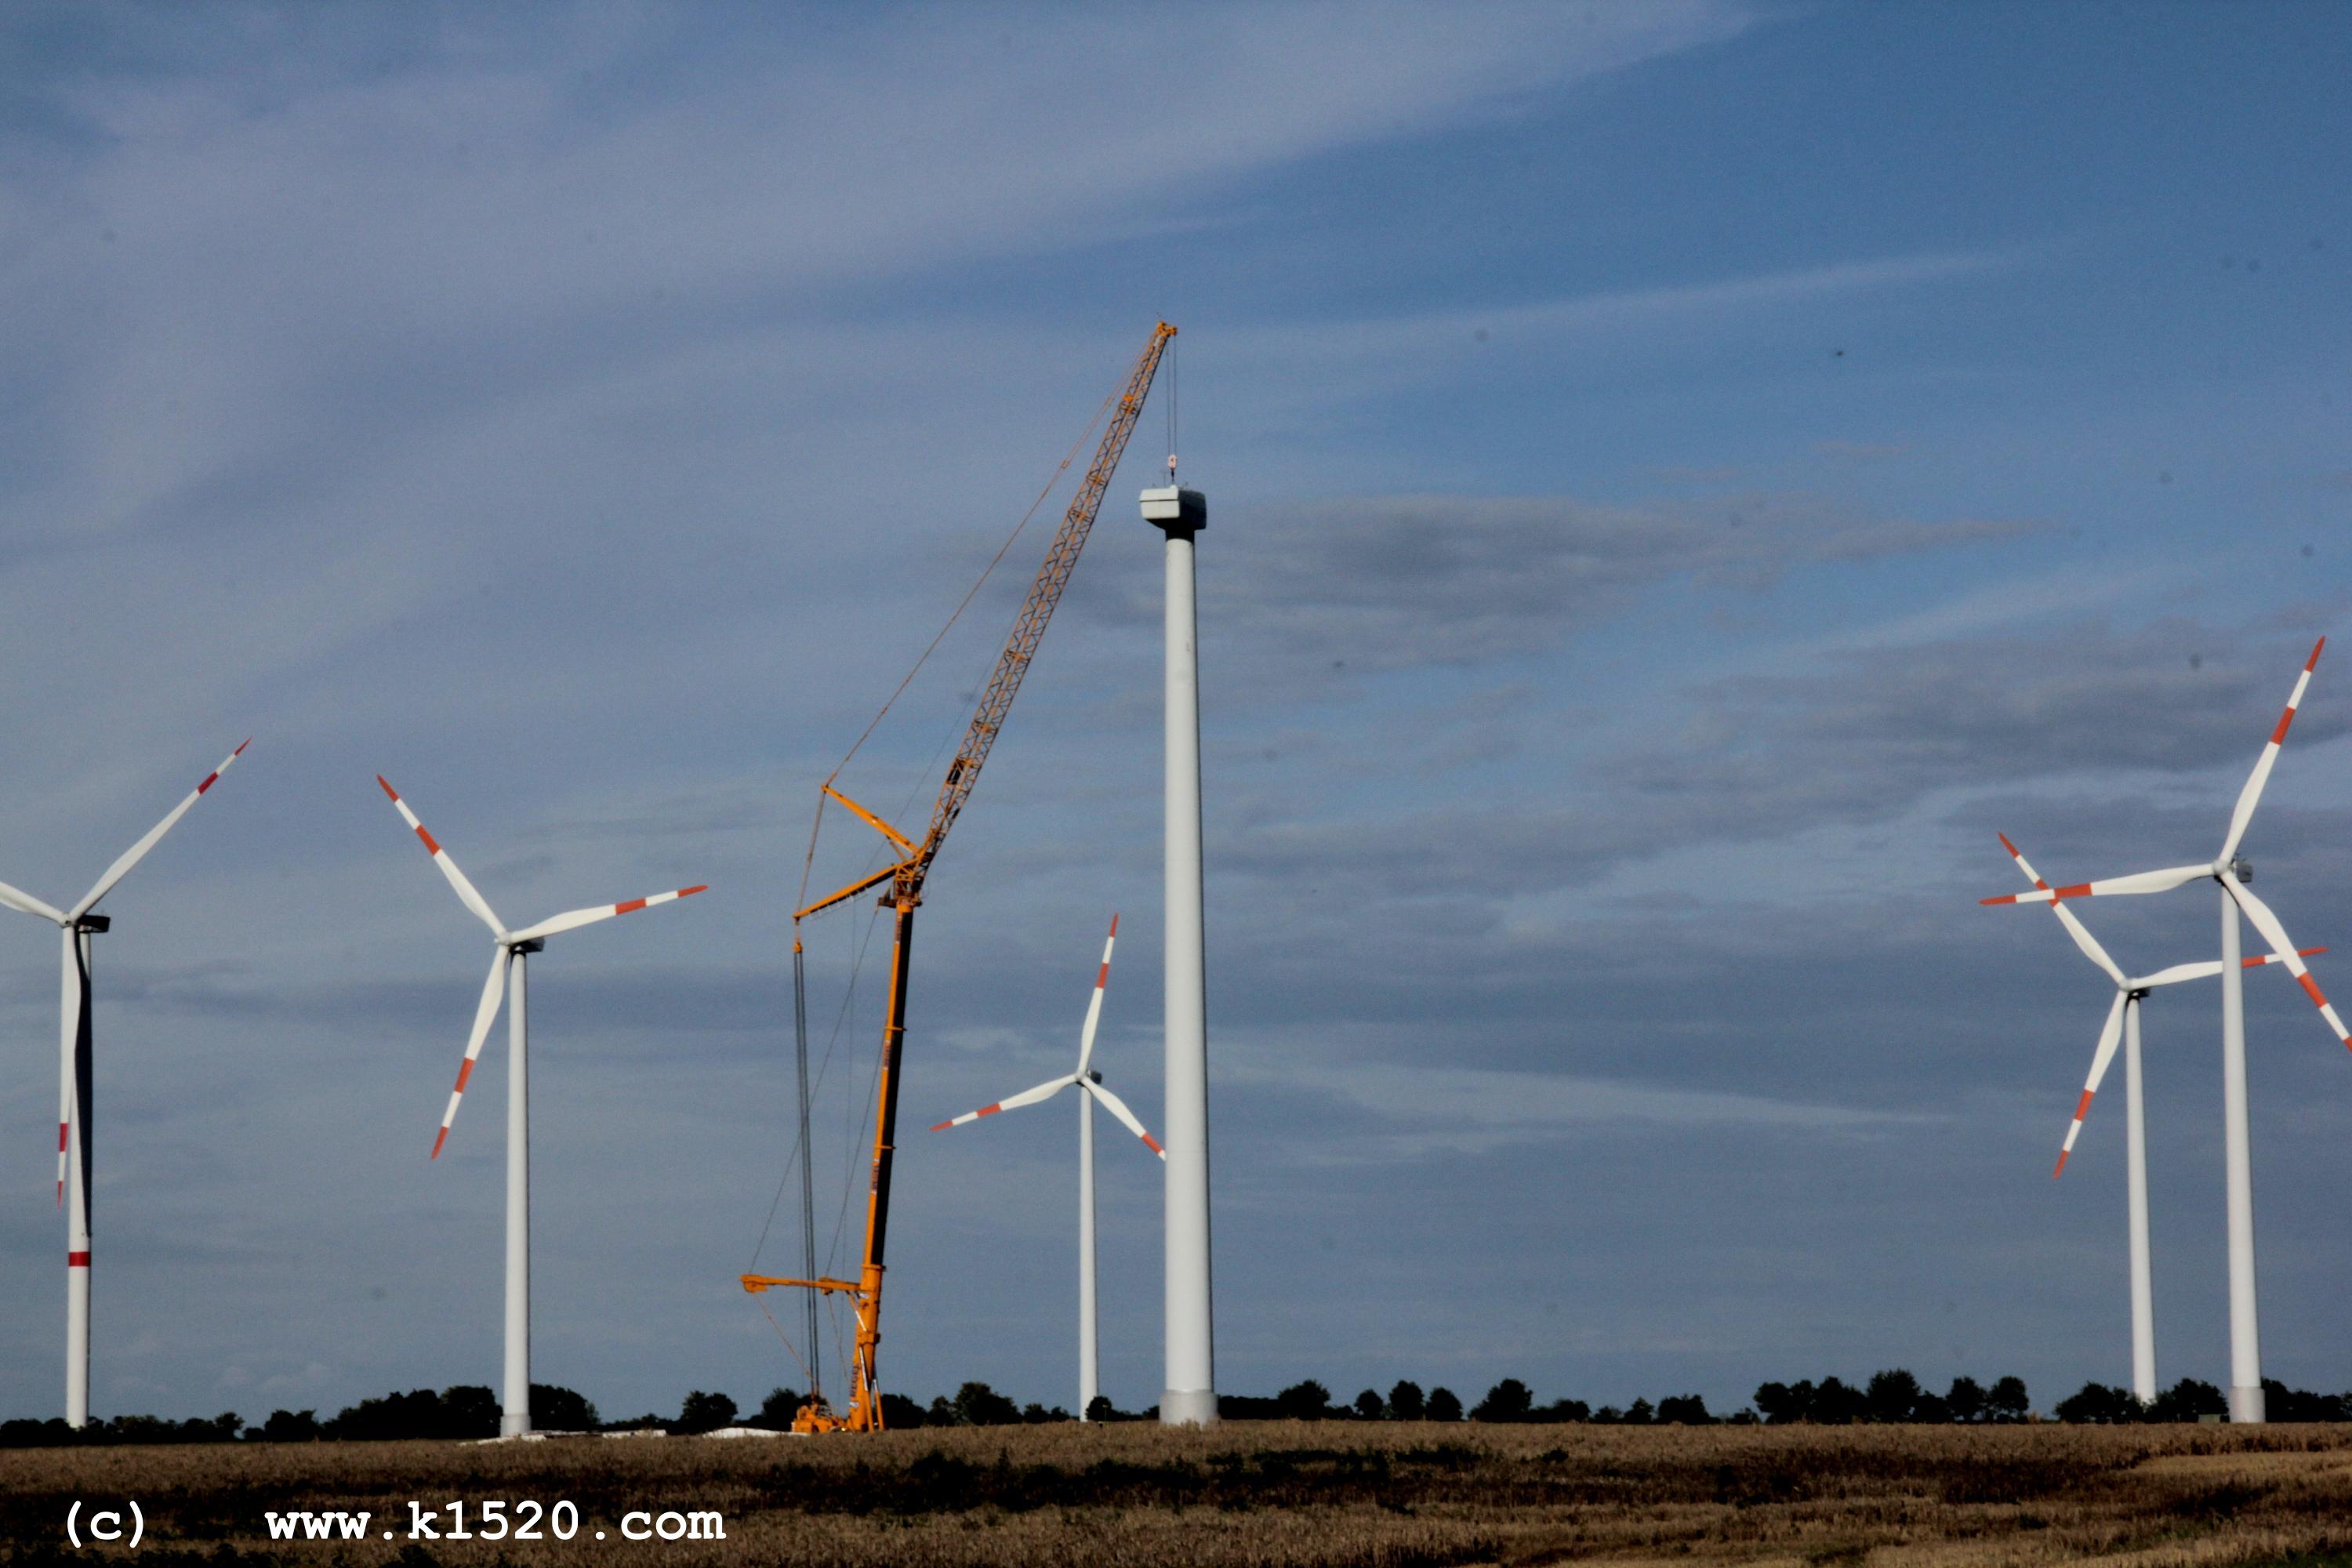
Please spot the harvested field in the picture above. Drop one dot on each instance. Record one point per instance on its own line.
(1284, 1493)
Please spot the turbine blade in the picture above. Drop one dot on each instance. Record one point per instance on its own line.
(2209, 968)
(2138, 882)
(574, 918)
(1046, 1090)
(2283, 949)
(1093, 1003)
(137, 852)
(2251, 795)
(465, 893)
(2176, 974)
(1118, 1108)
(16, 898)
(494, 992)
(2074, 928)
(2108, 1036)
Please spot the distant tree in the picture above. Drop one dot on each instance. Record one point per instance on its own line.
(392, 1417)
(1307, 1401)
(1562, 1410)
(555, 1408)
(1641, 1413)
(2187, 1400)
(942, 1413)
(2281, 1403)
(1931, 1410)
(1684, 1410)
(704, 1413)
(977, 1405)
(1444, 1405)
(1891, 1397)
(469, 1410)
(1506, 1400)
(1967, 1399)
(1405, 1403)
(1608, 1415)
(1780, 1403)
(1835, 1403)
(288, 1426)
(25, 1433)
(221, 1428)
(899, 1414)
(1369, 1406)
(1102, 1409)
(1742, 1418)
(2007, 1401)
(2097, 1402)
(776, 1411)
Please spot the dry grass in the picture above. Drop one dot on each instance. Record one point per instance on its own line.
(1275, 1494)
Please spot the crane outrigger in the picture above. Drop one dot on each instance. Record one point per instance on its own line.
(906, 874)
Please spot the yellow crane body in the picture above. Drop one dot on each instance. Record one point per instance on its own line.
(907, 873)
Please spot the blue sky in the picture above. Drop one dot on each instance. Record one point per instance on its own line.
(1682, 478)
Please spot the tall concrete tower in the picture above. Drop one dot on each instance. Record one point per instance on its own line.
(1189, 1398)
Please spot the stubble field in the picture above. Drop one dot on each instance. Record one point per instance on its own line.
(1268, 1494)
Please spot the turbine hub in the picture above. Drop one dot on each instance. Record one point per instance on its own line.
(2243, 869)
(94, 924)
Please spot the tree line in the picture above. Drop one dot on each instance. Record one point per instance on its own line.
(1893, 1395)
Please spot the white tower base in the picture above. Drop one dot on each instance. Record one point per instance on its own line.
(514, 1413)
(2245, 1334)
(1189, 1398)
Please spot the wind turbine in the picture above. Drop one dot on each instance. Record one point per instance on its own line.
(2233, 874)
(1089, 1085)
(75, 1084)
(2123, 1019)
(509, 950)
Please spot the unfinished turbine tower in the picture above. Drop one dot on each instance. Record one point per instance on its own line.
(1189, 1398)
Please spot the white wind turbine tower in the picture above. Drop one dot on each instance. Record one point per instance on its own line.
(2123, 1020)
(75, 1084)
(1089, 1085)
(2231, 874)
(508, 950)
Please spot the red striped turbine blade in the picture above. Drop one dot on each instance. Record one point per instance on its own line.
(1118, 1108)
(2138, 882)
(485, 1013)
(466, 892)
(1045, 1090)
(1094, 1002)
(138, 852)
(2250, 796)
(573, 919)
(2284, 950)
(2110, 1034)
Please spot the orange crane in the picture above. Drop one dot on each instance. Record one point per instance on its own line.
(906, 876)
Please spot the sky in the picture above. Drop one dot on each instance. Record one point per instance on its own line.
(1681, 479)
